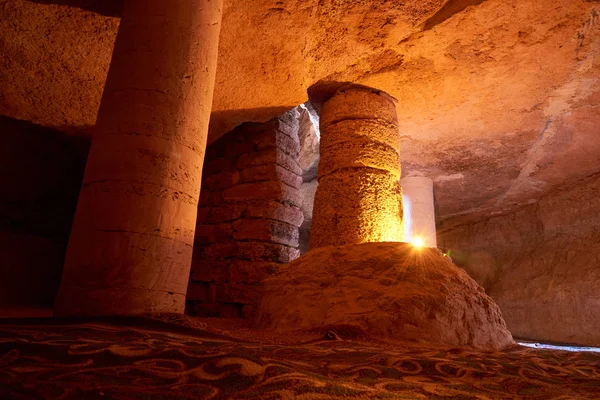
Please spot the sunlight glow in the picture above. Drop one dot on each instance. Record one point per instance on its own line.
(417, 242)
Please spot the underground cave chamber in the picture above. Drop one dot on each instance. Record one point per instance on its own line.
(162, 194)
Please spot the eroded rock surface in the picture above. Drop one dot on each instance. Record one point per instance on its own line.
(496, 97)
(249, 215)
(540, 264)
(386, 290)
(309, 136)
(359, 198)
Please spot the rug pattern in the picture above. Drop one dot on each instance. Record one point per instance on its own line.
(103, 361)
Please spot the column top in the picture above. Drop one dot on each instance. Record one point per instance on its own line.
(416, 181)
(321, 92)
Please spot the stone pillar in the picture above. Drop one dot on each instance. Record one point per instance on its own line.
(131, 243)
(359, 197)
(248, 217)
(419, 212)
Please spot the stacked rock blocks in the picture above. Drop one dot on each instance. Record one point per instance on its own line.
(248, 216)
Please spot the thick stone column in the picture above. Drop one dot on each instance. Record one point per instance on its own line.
(359, 197)
(419, 211)
(131, 244)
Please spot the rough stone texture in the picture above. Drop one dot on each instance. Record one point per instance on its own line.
(496, 98)
(40, 180)
(358, 199)
(248, 217)
(130, 249)
(309, 136)
(540, 264)
(386, 291)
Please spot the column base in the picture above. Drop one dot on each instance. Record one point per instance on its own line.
(74, 301)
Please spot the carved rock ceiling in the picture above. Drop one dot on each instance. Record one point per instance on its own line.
(498, 100)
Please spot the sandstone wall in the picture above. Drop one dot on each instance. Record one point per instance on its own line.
(541, 264)
(40, 178)
(248, 216)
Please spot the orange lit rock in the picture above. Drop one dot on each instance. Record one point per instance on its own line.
(281, 141)
(386, 291)
(131, 244)
(276, 211)
(266, 230)
(309, 136)
(251, 226)
(268, 173)
(262, 251)
(477, 81)
(264, 190)
(269, 157)
(358, 199)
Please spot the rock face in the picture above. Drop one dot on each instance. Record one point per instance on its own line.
(307, 191)
(309, 136)
(386, 290)
(540, 264)
(498, 102)
(477, 81)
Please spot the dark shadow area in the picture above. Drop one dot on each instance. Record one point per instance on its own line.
(451, 8)
(40, 178)
(323, 90)
(222, 122)
(110, 8)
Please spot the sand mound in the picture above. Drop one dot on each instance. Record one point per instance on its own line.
(386, 290)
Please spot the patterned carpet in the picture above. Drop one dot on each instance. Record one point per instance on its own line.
(106, 360)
